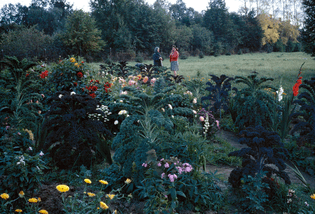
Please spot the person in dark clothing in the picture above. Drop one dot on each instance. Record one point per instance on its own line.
(157, 58)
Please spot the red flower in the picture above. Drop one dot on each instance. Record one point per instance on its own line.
(93, 95)
(91, 80)
(82, 62)
(75, 83)
(97, 81)
(94, 88)
(107, 85)
(297, 86)
(80, 74)
(44, 74)
(27, 75)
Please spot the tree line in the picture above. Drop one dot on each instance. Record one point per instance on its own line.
(129, 29)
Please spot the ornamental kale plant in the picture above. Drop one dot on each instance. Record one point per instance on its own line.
(307, 111)
(72, 131)
(19, 104)
(218, 94)
(254, 106)
(264, 150)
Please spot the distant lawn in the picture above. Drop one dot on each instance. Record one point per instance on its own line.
(281, 66)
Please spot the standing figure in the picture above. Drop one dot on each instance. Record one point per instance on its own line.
(157, 58)
(174, 60)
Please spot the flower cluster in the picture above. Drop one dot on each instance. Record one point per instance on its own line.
(99, 117)
(170, 168)
(280, 93)
(291, 195)
(297, 86)
(44, 74)
(209, 121)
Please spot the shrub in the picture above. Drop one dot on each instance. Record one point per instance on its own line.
(139, 59)
(264, 148)
(73, 135)
(254, 105)
(170, 185)
(218, 94)
(201, 55)
(307, 111)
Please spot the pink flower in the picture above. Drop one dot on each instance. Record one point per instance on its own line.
(162, 175)
(132, 82)
(201, 118)
(218, 124)
(159, 164)
(166, 165)
(43, 95)
(41, 153)
(7, 127)
(153, 80)
(144, 164)
(171, 177)
(145, 79)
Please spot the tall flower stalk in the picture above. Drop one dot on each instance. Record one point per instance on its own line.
(289, 108)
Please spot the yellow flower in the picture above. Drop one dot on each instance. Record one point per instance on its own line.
(103, 205)
(21, 194)
(43, 211)
(33, 200)
(88, 181)
(313, 196)
(18, 210)
(91, 194)
(110, 196)
(62, 188)
(103, 182)
(72, 59)
(39, 199)
(5, 196)
(115, 211)
(128, 181)
(76, 64)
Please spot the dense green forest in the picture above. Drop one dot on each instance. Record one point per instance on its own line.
(130, 29)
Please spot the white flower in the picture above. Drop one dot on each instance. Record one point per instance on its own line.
(170, 106)
(195, 100)
(121, 101)
(172, 116)
(279, 93)
(60, 95)
(116, 122)
(194, 112)
(121, 112)
(163, 109)
(41, 153)
(72, 93)
(30, 148)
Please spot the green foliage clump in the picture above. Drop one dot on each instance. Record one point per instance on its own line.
(73, 135)
(171, 185)
(19, 103)
(254, 106)
(21, 166)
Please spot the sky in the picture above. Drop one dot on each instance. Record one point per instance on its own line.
(198, 5)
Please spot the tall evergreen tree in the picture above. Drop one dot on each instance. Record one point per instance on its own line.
(308, 34)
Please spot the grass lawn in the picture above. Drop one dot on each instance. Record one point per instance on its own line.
(281, 66)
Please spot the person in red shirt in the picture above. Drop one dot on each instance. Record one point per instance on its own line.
(174, 60)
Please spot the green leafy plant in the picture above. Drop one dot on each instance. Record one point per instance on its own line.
(72, 131)
(254, 105)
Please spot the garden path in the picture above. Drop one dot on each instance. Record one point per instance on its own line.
(223, 171)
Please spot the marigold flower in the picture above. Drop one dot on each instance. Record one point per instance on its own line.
(21, 194)
(5, 196)
(127, 181)
(43, 211)
(18, 210)
(110, 196)
(33, 200)
(62, 188)
(88, 181)
(72, 59)
(313, 196)
(91, 194)
(103, 182)
(103, 205)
